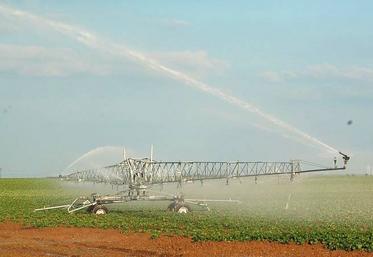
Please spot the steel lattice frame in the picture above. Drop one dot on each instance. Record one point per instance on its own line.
(146, 172)
(139, 174)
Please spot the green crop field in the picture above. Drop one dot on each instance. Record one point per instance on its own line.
(336, 211)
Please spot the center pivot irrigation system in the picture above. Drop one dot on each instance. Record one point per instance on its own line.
(140, 174)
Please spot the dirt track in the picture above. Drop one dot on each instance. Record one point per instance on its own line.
(16, 240)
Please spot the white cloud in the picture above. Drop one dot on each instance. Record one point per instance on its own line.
(274, 76)
(7, 26)
(176, 23)
(43, 61)
(60, 62)
(320, 72)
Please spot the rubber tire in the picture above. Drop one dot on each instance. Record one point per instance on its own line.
(171, 206)
(100, 208)
(181, 205)
(90, 208)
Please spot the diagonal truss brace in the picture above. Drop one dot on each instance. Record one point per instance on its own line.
(135, 172)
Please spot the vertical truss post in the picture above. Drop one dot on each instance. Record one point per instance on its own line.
(179, 177)
(295, 168)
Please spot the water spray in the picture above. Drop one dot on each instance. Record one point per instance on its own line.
(288, 201)
(92, 41)
(93, 152)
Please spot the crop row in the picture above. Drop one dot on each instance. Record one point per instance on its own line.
(20, 197)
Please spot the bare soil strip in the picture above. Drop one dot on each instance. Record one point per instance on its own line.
(16, 240)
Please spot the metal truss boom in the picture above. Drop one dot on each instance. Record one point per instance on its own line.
(140, 174)
(133, 172)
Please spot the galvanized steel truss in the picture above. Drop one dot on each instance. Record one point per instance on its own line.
(133, 172)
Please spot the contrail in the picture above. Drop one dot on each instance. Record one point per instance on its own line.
(92, 41)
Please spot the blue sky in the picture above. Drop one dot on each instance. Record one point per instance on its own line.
(308, 63)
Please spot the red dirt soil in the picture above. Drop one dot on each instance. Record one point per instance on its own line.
(16, 240)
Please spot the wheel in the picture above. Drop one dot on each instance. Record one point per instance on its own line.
(171, 206)
(90, 208)
(100, 210)
(182, 208)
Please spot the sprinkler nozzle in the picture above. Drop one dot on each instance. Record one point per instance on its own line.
(345, 157)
